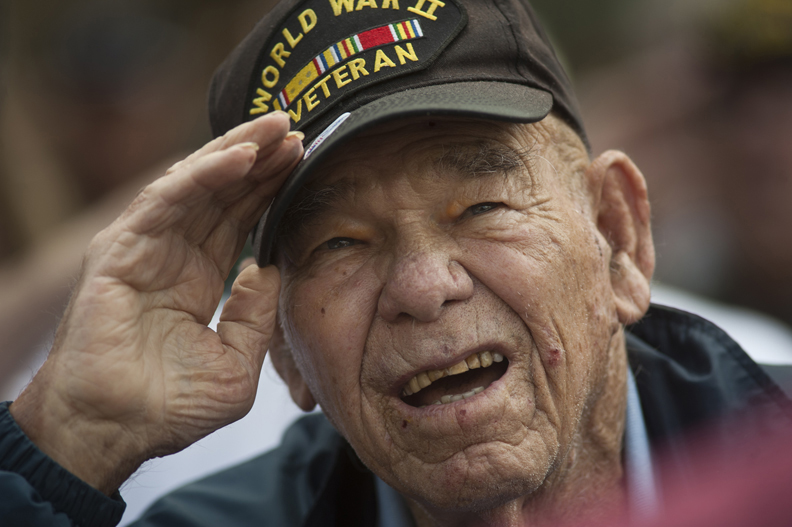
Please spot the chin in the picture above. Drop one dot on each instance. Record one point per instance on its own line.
(477, 479)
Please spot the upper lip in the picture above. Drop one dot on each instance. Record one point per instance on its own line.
(398, 386)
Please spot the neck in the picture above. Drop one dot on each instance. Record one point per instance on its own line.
(589, 483)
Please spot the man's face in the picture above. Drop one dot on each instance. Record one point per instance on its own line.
(430, 244)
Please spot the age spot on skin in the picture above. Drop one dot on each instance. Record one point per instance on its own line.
(323, 311)
(404, 424)
(554, 357)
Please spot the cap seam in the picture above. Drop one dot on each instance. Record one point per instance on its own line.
(515, 42)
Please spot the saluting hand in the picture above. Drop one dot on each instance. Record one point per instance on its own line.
(135, 372)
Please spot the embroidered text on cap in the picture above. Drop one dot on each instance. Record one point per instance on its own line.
(326, 50)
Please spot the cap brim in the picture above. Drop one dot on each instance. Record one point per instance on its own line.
(499, 101)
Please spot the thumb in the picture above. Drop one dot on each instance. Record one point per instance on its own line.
(248, 317)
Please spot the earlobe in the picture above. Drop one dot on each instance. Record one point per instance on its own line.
(283, 360)
(623, 218)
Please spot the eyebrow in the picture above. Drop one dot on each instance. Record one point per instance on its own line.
(473, 160)
(466, 160)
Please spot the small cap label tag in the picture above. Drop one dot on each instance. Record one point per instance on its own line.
(325, 134)
(326, 50)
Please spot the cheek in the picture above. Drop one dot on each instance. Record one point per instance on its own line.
(328, 320)
(558, 283)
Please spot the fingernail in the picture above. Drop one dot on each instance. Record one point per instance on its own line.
(253, 146)
(278, 112)
(299, 135)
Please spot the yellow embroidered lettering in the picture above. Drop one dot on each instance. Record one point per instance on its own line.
(271, 71)
(259, 102)
(387, 3)
(323, 84)
(278, 53)
(338, 4)
(339, 75)
(357, 67)
(382, 60)
(311, 100)
(429, 13)
(307, 20)
(366, 3)
(410, 54)
(297, 116)
(290, 39)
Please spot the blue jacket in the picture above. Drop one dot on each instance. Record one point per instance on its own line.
(688, 373)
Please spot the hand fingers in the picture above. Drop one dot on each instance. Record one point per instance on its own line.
(265, 177)
(169, 199)
(266, 135)
(248, 318)
(267, 132)
(198, 194)
(239, 218)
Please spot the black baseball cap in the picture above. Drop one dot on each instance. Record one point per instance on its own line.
(339, 67)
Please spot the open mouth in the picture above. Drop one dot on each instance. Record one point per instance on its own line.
(460, 381)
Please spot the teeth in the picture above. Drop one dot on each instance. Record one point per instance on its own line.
(456, 369)
(436, 374)
(485, 359)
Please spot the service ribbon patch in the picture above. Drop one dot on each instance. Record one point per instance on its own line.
(327, 49)
(340, 51)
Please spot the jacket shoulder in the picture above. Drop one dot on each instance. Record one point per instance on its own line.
(276, 488)
(690, 373)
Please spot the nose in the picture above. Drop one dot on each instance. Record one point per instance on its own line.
(420, 283)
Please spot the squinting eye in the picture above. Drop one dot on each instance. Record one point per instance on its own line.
(481, 208)
(339, 243)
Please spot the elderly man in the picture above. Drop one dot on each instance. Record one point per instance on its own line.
(452, 279)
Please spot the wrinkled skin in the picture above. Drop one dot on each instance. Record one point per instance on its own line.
(414, 264)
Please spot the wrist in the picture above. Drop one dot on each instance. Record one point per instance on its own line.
(99, 453)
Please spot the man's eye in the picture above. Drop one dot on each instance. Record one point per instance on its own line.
(338, 243)
(481, 208)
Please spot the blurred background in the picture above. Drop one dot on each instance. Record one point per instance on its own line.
(97, 98)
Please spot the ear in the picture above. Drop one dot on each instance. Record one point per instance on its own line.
(283, 360)
(621, 204)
